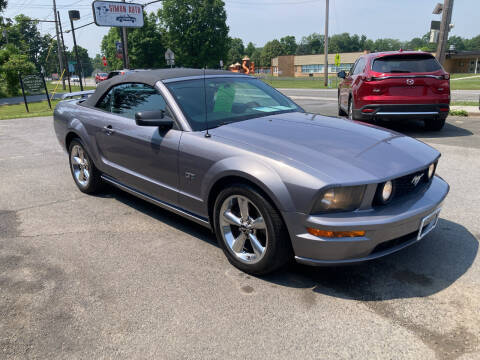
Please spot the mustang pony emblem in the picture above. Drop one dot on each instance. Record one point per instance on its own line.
(416, 179)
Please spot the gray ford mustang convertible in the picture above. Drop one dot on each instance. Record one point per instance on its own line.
(273, 182)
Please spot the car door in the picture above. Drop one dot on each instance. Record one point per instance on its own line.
(356, 79)
(345, 87)
(142, 157)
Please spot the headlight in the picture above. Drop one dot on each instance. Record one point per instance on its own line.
(346, 198)
(387, 191)
(384, 193)
(431, 170)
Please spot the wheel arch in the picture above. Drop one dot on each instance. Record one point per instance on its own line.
(262, 177)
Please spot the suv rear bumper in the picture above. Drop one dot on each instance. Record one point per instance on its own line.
(402, 111)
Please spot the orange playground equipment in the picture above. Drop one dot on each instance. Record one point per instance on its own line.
(247, 66)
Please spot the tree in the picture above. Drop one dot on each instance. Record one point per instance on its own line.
(146, 45)
(12, 62)
(257, 57)
(24, 34)
(196, 31)
(236, 51)
(84, 59)
(311, 44)
(109, 48)
(456, 41)
(289, 45)
(97, 63)
(271, 50)
(250, 49)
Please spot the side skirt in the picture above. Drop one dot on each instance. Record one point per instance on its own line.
(198, 219)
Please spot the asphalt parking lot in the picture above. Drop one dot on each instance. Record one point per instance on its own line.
(111, 276)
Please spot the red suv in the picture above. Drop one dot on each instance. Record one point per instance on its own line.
(396, 85)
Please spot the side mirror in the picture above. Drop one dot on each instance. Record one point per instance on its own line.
(153, 118)
(342, 74)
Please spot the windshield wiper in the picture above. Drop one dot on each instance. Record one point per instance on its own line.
(400, 71)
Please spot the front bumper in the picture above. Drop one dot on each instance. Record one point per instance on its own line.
(402, 111)
(388, 229)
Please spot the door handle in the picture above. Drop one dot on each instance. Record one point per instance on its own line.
(108, 129)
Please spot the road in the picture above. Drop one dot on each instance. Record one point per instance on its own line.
(111, 276)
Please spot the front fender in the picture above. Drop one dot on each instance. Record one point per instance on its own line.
(257, 172)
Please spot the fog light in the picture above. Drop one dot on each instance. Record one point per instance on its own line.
(431, 170)
(335, 234)
(387, 191)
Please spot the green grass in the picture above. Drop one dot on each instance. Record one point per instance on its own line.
(19, 111)
(51, 87)
(464, 103)
(465, 84)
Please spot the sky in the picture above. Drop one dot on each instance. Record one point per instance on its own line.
(259, 21)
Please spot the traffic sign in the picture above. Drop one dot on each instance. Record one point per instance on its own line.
(104, 60)
(170, 57)
(337, 59)
(117, 14)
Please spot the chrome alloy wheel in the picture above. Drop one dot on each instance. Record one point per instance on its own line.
(80, 165)
(243, 229)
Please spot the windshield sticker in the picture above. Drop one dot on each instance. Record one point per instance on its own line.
(266, 109)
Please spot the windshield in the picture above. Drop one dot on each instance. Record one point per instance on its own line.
(406, 64)
(229, 99)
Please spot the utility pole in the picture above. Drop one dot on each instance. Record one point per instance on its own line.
(67, 70)
(75, 15)
(444, 30)
(325, 70)
(125, 47)
(59, 46)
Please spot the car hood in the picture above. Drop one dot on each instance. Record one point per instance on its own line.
(340, 150)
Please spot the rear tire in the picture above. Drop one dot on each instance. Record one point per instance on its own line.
(253, 235)
(434, 124)
(84, 173)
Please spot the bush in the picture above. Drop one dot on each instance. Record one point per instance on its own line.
(458, 113)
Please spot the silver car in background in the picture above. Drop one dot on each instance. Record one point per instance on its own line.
(272, 181)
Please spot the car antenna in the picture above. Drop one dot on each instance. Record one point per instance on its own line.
(207, 134)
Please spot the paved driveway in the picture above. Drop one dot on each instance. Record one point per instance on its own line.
(110, 276)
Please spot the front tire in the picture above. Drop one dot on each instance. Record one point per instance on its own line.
(250, 230)
(341, 112)
(350, 109)
(84, 173)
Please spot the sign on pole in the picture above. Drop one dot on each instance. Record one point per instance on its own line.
(117, 14)
(337, 60)
(170, 57)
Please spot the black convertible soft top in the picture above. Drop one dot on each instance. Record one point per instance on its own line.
(149, 77)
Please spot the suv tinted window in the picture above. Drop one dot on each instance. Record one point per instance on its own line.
(359, 66)
(127, 99)
(406, 64)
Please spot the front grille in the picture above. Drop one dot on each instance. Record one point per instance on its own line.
(406, 185)
(390, 244)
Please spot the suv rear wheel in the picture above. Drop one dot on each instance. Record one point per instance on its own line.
(434, 124)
